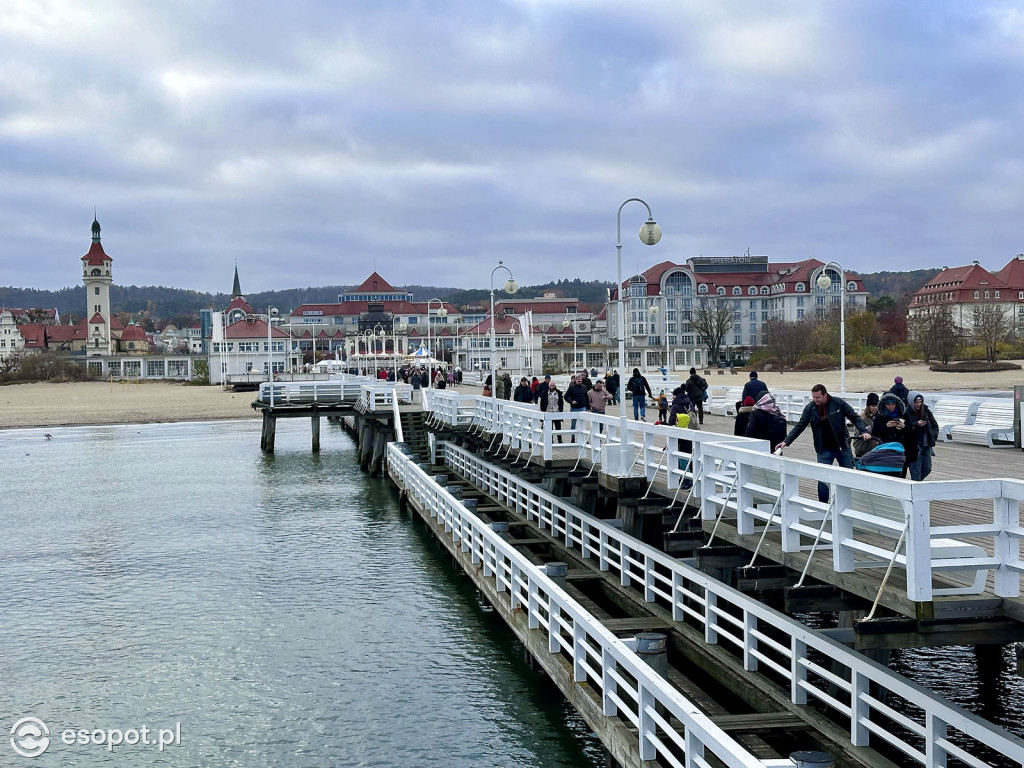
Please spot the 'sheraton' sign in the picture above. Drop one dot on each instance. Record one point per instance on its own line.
(730, 260)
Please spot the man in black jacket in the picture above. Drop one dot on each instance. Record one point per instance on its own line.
(696, 386)
(576, 397)
(827, 416)
(754, 388)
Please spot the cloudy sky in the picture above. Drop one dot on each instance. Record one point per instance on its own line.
(312, 141)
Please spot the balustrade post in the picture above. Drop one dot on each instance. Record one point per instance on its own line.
(789, 513)
(797, 672)
(1006, 512)
(919, 550)
(860, 686)
(744, 499)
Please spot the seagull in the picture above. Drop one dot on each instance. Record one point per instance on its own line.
(48, 436)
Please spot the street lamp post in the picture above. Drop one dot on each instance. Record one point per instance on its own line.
(397, 326)
(650, 234)
(511, 286)
(516, 328)
(271, 313)
(441, 312)
(824, 283)
(565, 324)
(654, 311)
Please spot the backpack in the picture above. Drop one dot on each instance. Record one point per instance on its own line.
(638, 386)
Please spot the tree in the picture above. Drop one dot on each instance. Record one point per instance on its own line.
(862, 331)
(991, 326)
(712, 320)
(936, 332)
(788, 341)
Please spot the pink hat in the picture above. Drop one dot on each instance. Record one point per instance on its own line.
(898, 380)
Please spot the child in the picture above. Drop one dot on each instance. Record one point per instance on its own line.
(662, 407)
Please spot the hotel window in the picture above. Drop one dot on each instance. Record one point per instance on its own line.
(721, 291)
(800, 287)
(752, 291)
(702, 288)
(736, 291)
(977, 294)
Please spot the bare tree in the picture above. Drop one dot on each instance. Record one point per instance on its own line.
(788, 341)
(991, 326)
(712, 320)
(937, 333)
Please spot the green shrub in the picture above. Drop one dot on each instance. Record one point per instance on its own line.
(41, 366)
(974, 366)
(901, 353)
(817, 363)
(200, 371)
(971, 353)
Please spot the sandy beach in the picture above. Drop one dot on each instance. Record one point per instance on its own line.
(49, 405)
(43, 405)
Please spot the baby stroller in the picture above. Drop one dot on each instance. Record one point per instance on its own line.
(887, 458)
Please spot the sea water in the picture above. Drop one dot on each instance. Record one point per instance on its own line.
(172, 584)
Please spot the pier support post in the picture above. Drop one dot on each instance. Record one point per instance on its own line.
(269, 430)
(316, 432)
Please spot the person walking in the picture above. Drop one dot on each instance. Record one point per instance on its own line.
(662, 407)
(506, 391)
(900, 391)
(754, 388)
(499, 387)
(576, 395)
(523, 393)
(927, 429)
(894, 424)
(598, 399)
(696, 389)
(826, 415)
(681, 414)
(743, 411)
(614, 386)
(636, 386)
(767, 421)
(551, 401)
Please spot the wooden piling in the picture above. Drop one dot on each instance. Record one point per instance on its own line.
(316, 432)
(269, 431)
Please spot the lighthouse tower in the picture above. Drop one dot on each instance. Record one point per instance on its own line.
(97, 279)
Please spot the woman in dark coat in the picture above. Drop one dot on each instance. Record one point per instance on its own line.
(743, 411)
(895, 424)
(766, 421)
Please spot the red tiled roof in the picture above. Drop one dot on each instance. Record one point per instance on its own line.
(252, 328)
(96, 256)
(133, 333)
(375, 283)
(1013, 273)
(97, 319)
(239, 303)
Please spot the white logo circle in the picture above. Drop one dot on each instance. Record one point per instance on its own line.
(30, 737)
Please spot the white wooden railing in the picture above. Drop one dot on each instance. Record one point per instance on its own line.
(629, 689)
(849, 531)
(862, 694)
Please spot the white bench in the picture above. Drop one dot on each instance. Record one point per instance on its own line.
(953, 413)
(992, 422)
(890, 520)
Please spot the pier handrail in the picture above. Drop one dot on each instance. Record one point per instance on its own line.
(378, 397)
(629, 688)
(791, 656)
(526, 431)
(850, 531)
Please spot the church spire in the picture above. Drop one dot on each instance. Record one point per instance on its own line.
(95, 229)
(236, 289)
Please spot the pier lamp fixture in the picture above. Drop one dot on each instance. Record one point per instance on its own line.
(824, 282)
(271, 314)
(565, 324)
(511, 286)
(650, 234)
(654, 311)
(441, 313)
(397, 327)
